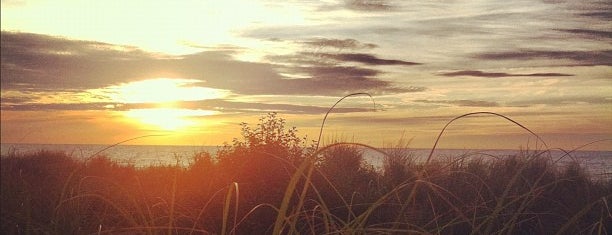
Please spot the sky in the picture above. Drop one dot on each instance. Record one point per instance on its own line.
(189, 72)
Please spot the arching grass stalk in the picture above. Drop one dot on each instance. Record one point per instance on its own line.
(333, 106)
(480, 113)
(118, 143)
(569, 153)
(306, 166)
(228, 200)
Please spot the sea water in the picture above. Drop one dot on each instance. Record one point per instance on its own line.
(138, 155)
(598, 163)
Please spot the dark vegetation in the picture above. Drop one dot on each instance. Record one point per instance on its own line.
(273, 181)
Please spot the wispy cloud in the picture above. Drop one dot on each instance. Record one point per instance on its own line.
(465, 103)
(16, 104)
(338, 43)
(564, 101)
(365, 59)
(603, 15)
(476, 73)
(589, 33)
(368, 5)
(330, 70)
(575, 58)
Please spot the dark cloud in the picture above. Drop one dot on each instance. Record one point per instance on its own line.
(339, 43)
(338, 80)
(321, 58)
(32, 61)
(55, 106)
(550, 101)
(598, 9)
(366, 59)
(330, 70)
(217, 104)
(534, 101)
(562, 101)
(476, 73)
(594, 34)
(45, 61)
(465, 103)
(339, 72)
(14, 100)
(368, 5)
(398, 121)
(578, 58)
(235, 106)
(603, 15)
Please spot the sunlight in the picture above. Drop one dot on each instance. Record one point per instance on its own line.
(168, 119)
(163, 90)
(162, 26)
(165, 94)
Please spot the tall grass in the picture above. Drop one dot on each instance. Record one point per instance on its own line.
(523, 194)
(272, 182)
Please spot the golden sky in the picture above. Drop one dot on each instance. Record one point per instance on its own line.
(100, 72)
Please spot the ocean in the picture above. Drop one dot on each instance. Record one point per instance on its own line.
(598, 163)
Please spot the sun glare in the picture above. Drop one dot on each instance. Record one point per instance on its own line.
(166, 95)
(168, 119)
(163, 90)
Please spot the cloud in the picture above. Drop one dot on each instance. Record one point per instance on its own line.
(322, 58)
(339, 43)
(577, 58)
(338, 80)
(216, 104)
(235, 106)
(437, 120)
(33, 61)
(476, 73)
(335, 71)
(549, 101)
(368, 5)
(55, 106)
(594, 34)
(603, 15)
(463, 103)
(366, 59)
(563, 101)
(5, 101)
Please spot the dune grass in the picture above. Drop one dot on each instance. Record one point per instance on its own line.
(524, 194)
(271, 181)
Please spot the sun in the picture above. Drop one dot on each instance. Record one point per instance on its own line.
(161, 100)
(163, 90)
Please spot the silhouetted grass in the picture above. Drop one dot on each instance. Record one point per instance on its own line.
(525, 194)
(272, 181)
